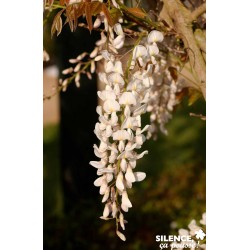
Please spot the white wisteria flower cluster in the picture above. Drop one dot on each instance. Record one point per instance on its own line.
(162, 99)
(125, 99)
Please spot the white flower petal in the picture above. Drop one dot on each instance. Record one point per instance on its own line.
(97, 22)
(155, 36)
(153, 50)
(103, 77)
(119, 41)
(121, 135)
(106, 211)
(121, 236)
(130, 175)
(118, 67)
(121, 146)
(98, 181)
(114, 118)
(97, 164)
(139, 176)
(127, 111)
(94, 52)
(118, 29)
(124, 165)
(116, 78)
(109, 131)
(125, 199)
(103, 187)
(140, 139)
(108, 67)
(124, 208)
(106, 195)
(141, 110)
(203, 220)
(142, 154)
(139, 51)
(117, 89)
(121, 220)
(132, 163)
(119, 181)
(127, 98)
(111, 106)
(130, 147)
(183, 232)
(106, 55)
(99, 110)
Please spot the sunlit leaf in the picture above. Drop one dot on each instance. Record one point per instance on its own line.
(107, 14)
(88, 16)
(138, 12)
(194, 95)
(95, 8)
(115, 14)
(57, 23)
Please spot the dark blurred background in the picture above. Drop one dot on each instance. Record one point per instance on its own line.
(172, 194)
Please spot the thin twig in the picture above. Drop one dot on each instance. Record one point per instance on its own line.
(199, 11)
(198, 115)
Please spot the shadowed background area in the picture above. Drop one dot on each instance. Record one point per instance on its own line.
(172, 194)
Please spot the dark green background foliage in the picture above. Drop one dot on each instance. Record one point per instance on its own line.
(174, 191)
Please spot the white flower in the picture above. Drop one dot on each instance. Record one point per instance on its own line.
(130, 175)
(97, 164)
(106, 95)
(121, 135)
(106, 55)
(183, 232)
(155, 36)
(119, 181)
(114, 209)
(108, 67)
(130, 122)
(121, 236)
(125, 200)
(142, 154)
(116, 78)
(103, 77)
(153, 50)
(119, 127)
(94, 52)
(141, 110)
(121, 219)
(110, 106)
(118, 67)
(98, 181)
(203, 220)
(106, 211)
(119, 41)
(118, 29)
(106, 194)
(139, 51)
(140, 139)
(97, 22)
(193, 227)
(104, 186)
(139, 176)
(127, 98)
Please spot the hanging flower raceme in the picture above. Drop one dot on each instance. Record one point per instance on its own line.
(162, 99)
(119, 129)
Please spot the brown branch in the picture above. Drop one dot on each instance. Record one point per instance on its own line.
(199, 11)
